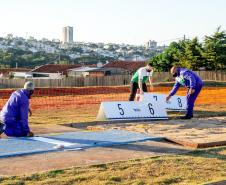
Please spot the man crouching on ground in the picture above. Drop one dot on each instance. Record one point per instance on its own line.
(192, 81)
(14, 114)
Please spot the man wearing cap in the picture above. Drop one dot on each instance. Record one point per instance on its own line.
(192, 81)
(14, 114)
(139, 80)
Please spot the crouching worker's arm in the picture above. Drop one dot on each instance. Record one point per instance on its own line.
(24, 109)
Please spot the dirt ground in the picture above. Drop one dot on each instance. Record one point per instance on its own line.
(84, 107)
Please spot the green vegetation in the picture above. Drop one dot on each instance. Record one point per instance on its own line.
(11, 57)
(210, 55)
(197, 167)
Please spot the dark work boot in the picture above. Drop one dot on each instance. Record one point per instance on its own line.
(186, 117)
(2, 127)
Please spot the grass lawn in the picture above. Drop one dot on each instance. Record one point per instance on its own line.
(197, 167)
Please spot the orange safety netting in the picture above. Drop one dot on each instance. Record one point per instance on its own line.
(61, 98)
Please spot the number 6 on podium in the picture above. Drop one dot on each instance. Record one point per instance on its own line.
(152, 111)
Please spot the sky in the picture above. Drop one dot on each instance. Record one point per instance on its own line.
(113, 21)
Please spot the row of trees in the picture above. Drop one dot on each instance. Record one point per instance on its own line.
(190, 53)
(16, 57)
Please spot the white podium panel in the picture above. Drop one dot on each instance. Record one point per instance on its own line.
(176, 103)
(131, 110)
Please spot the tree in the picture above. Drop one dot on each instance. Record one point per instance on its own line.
(185, 53)
(215, 50)
(192, 54)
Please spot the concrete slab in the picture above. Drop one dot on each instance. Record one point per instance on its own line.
(11, 147)
(65, 159)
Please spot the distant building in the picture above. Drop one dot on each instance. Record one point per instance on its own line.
(53, 70)
(9, 36)
(151, 44)
(129, 66)
(23, 75)
(9, 72)
(87, 71)
(67, 34)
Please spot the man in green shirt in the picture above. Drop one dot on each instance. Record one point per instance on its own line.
(139, 80)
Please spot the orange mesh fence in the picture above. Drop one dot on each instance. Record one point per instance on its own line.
(61, 98)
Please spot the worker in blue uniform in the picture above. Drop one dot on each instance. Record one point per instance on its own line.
(189, 79)
(14, 114)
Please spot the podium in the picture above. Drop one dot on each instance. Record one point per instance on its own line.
(150, 107)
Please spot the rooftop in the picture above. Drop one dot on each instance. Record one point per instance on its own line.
(55, 68)
(6, 71)
(128, 65)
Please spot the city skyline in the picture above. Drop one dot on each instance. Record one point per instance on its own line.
(113, 21)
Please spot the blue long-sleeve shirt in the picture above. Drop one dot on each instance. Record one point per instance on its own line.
(15, 112)
(185, 78)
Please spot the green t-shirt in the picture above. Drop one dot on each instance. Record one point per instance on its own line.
(141, 74)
